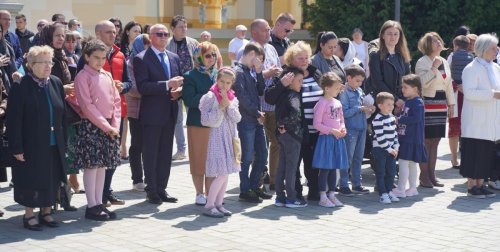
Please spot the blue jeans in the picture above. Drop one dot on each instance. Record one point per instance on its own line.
(180, 140)
(385, 170)
(253, 151)
(355, 143)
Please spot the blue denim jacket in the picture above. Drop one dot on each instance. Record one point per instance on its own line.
(352, 101)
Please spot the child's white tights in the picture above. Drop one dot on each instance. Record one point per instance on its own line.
(216, 192)
(407, 172)
(93, 180)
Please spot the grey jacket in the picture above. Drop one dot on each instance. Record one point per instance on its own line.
(323, 66)
(191, 44)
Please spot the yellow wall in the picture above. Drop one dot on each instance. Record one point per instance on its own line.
(89, 12)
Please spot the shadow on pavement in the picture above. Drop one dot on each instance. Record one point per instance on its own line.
(69, 223)
(467, 204)
(200, 222)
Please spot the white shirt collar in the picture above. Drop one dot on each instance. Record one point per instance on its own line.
(158, 51)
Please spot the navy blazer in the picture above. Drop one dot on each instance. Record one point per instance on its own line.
(156, 107)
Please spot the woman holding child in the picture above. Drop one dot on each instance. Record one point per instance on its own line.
(299, 55)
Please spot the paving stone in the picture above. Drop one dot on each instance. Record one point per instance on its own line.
(437, 219)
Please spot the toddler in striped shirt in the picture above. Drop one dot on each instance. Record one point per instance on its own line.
(385, 147)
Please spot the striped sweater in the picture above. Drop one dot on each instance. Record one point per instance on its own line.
(311, 93)
(385, 135)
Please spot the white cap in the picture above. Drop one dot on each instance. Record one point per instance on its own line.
(241, 28)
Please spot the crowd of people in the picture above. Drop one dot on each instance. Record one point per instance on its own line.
(67, 103)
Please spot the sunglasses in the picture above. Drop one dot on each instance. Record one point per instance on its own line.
(210, 55)
(162, 34)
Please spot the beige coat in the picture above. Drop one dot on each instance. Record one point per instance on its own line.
(432, 82)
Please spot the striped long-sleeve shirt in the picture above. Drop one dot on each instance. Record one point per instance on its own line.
(311, 93)
(385, 135)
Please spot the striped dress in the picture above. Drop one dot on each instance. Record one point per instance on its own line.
(311, 93)
(436, 112)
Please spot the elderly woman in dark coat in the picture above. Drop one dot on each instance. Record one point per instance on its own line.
(36, 129)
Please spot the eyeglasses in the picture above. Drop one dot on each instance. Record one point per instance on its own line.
(162, 34)
(210, 55)
(47, 63)
(288, 31)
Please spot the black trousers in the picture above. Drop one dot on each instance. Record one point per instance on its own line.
(306, 155)
(157, 155)
(107, 184)
(135, 150)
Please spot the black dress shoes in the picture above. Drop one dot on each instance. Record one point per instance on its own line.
(34, 227)
(43, 221)
(153, 199)
(167, 198)
(114, 200)
(69, 208)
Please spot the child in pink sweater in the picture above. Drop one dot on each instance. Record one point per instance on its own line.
(97, 137)
(330, 152)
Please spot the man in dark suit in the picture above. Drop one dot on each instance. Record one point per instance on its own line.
(158, 77)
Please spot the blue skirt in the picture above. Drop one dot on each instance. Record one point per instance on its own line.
(330, 153)
(413, 152)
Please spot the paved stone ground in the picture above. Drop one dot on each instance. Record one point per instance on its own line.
(437, 219)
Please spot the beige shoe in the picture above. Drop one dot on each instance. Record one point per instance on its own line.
(179, 156)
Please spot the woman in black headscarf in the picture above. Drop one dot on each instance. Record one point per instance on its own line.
(53, 35)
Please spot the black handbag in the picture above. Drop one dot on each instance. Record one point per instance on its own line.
(6, 157)
(72, 117)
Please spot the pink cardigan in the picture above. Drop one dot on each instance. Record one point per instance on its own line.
(98, 98)
(328, 115)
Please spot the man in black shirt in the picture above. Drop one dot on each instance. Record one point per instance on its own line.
(283, 27)
(23, 33)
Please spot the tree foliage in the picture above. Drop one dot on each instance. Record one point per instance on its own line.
(417, 17)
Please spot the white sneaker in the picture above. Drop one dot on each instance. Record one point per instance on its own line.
(384, 198)
(393, 197)
(494, 184)
(179, 156)
(201, 200)
(139, 187)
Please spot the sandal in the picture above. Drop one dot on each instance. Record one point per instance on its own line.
(32, 227)
(224, 211)
(112, 215)
(43, 221)
(212, 212)
(95, 213)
